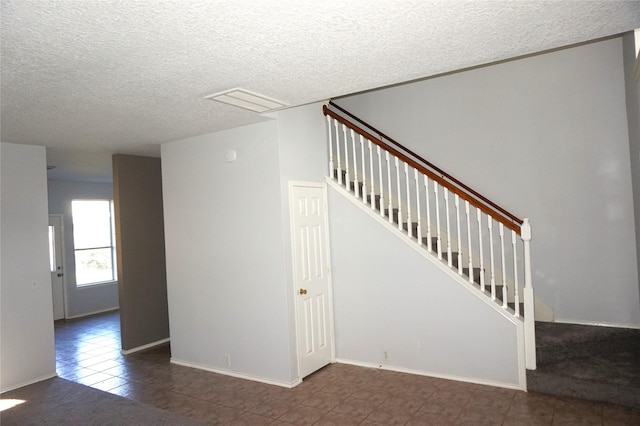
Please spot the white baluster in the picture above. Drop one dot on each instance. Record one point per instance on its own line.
(338, 150)
(529, 306)
(493, 270)
(399, 194)
(516, 291)
(466, 209)
(457, 200)
(480, 248)
(330, 146)
(381, 205)
(356, 187)
(415, 178)
(446, 207)
(406, 178)
(373, 191)
(389, 187)
(347, 176)
(504, 268)
(363, 192)
(437, 200)
(426, 194)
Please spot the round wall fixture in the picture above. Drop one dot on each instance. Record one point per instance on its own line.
(231, 156)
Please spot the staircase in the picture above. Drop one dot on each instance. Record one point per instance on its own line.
(394, 218)
(485, 245)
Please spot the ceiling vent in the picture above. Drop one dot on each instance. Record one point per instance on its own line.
(247, 100)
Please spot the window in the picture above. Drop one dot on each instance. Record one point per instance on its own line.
(94, 241)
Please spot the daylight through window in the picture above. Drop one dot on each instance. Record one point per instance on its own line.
(94, 241)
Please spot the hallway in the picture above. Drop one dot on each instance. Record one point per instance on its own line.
(88, 351)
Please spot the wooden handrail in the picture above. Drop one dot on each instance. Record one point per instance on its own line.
(453, 185)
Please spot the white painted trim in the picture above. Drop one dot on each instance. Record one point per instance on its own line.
(428, 374)
(88, 314)
(98, 284)
(238, 375)
(143, 347)
(597, 324)
(29, 382)
(330, 285)
(521, 349)
(65, 303)
(424, 253)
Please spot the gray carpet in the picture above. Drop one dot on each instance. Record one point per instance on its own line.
(61, 402)
(588, 362)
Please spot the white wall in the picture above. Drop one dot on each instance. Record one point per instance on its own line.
(225, 259)
(632, 84)
(88, 299)
(302, 156)
(26, 337)
(396, 309)
(547, 138)
(229, 269)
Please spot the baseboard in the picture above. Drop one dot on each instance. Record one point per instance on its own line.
(428, 374)
(143, 347)
(102, 311)
(238, 375)
(29, 382)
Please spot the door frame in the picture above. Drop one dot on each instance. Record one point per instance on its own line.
(323, 187)
(60, 218)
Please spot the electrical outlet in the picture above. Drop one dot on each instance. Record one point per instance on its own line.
(386, 356)
(227, 357)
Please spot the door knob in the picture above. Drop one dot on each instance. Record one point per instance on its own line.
(60, 275)
(303, 291)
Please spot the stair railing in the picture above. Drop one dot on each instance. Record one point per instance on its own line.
(428, 204)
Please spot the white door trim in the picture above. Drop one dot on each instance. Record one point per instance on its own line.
(60, 218)
(323, 187)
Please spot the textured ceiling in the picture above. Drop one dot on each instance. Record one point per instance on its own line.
(100, 76)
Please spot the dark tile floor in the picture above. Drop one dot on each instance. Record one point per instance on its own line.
(88, 353)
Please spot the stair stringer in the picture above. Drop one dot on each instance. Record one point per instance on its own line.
(411, 358)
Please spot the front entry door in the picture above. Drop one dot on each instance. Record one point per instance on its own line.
(312, 289)
(56, 265)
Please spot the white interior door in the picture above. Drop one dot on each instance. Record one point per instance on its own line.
(56, 265)
(313, 302)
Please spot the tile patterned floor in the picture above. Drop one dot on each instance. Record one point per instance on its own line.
(88, 352)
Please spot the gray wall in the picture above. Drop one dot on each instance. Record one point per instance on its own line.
(396, 309)
(229, 270)
(302, 156)
(632, 85)
(228, 300)
(85, 300)
(27, 351)
(547, 138)
(142, 282)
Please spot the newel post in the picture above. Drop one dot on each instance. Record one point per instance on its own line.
(529, 301)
